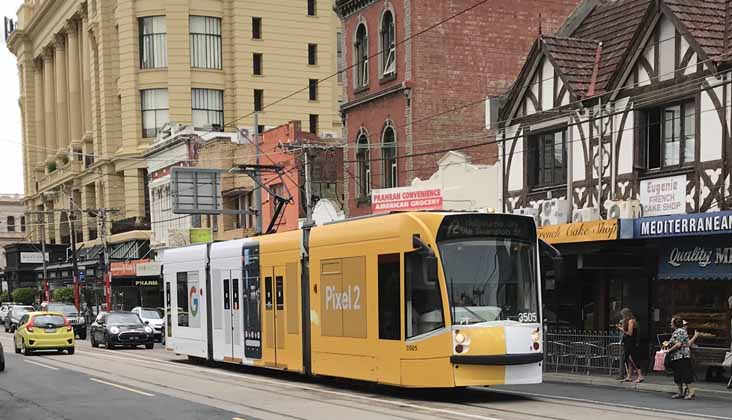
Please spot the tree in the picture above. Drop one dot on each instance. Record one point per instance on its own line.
(24, 295)
(4, 297)
(65, 295)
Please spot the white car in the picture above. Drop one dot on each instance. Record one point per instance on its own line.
(4, 308)
(154, 318)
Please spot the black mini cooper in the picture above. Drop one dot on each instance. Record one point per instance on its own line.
(121, 329)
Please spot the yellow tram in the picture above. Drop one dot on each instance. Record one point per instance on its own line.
(408, 299)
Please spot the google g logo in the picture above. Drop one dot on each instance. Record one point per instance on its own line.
(193, 299)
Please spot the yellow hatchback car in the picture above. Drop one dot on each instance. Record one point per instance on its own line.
(43, 331)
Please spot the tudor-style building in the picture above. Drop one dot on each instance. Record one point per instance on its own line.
(629, 114)
(413, 91)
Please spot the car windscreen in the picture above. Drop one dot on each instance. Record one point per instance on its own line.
(63, 308)
(126, 319)
(45, 321)
(150, 314)
(17, 310)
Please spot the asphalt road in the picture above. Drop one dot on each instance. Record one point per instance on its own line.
(154, 384)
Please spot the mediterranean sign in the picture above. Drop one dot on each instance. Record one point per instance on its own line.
(686, 258)
(662, 196)
(599, 230)
(406, 199)
(32, 257)
(713, 223)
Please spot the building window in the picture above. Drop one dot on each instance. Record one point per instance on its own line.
(389, 157)
(153, 48)
(363, 167)
(339, 56)
(205, 42)
(22, 223)
(154, 111)
(362, 57)
(313, 89)
(388, 46)
(314, 123)
(11, 223)
(242, 204)
(668, 135)
(257, 59)
(311, 8)
(208, 108)
(258, 100)
(256, 28)
(312, 54)
(547, 162)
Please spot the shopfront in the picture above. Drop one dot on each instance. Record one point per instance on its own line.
(694, 272)
(136, 283)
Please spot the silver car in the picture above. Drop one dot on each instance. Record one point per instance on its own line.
(14, 314)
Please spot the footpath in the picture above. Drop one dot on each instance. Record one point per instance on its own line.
(653, 382)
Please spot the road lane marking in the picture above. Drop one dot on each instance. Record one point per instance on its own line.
(605, 403)
(147, 394)
(40, 364)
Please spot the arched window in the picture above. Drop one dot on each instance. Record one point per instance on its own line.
(361, 55)
(363, 166)
(388, 46)
(11, 224)
(389, 157)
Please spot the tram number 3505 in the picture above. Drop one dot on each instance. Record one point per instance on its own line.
(527, 317)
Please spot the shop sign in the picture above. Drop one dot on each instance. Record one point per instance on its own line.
(149, 269)
(693, 259)
(662, 196)
(201, 235)
(179, 237)
(599, 230)
(32, 257)
(406, 199)
(146, 283)
(712, 223)
(125, 268)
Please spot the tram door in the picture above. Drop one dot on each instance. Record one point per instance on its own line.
(232, 314)
(274, 314)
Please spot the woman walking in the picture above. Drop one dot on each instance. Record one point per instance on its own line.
(629, 327)
(679, 348)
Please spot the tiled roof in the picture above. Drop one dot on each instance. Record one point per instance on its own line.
(705, 20)
(615, 24)
(575, 59)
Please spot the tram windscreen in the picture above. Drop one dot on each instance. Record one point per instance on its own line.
(490, 267)
(491, 280)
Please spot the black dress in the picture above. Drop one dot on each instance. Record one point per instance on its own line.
(630, 345)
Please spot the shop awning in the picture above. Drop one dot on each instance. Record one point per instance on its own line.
(695, 258)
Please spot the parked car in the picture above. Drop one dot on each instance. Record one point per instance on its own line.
(121, 329)
(71, 313)
(14, 314)
(154, 318)
(43, 331)
(2, 358)
(4, 307)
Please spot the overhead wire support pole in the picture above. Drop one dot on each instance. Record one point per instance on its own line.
(257, 177)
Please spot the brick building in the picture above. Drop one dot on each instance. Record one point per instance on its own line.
(403, 77)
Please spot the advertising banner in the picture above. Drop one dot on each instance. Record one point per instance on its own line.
(662, 196)
(695, 259)
(406, 199)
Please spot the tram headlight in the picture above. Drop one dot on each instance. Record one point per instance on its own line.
(459, 338)
(536, 338)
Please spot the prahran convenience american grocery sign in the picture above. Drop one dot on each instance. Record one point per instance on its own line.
(406, 199)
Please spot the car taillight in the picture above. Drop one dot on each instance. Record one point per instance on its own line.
(29, 326)
(68, 324)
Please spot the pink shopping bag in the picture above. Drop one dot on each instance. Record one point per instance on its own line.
(658, 363)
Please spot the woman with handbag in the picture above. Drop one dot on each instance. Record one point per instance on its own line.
(680, 354)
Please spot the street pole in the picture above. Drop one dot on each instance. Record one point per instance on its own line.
(308, 191)
(74, 262)
(46, 294)
(257, 176)
(107, 270)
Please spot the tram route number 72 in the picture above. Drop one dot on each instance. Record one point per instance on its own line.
(348, 299)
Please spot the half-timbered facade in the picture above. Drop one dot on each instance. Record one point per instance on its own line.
(621, 130)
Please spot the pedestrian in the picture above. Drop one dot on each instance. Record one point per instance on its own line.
(629, 326)
(679, 348)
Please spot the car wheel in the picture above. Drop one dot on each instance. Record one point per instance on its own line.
(93, 341)
(15, 346)
(82, 335)
(108, 343)
(71, 350)
(26, 351)
(149, 345)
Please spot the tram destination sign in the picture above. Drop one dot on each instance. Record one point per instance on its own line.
(486, 225)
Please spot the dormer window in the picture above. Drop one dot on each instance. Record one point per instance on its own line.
(388, 46)
(362, 57)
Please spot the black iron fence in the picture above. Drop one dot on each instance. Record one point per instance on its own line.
(578, 351)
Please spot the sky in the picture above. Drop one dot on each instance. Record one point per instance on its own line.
(11, 159)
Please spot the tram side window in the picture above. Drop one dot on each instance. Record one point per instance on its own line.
(389, 297)
(182, 288)
(423, 302)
